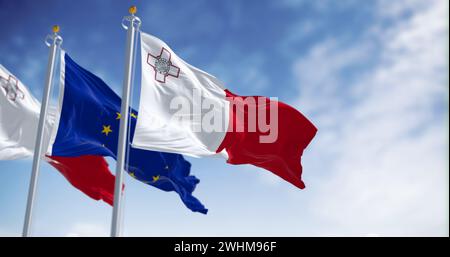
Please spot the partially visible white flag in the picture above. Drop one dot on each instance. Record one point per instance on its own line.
(169, 83)
(19, 118)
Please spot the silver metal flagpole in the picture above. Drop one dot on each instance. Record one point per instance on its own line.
(132, 28)
(54, 41)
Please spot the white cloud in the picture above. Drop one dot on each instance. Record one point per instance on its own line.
(87, 230)
(7, 233)
(381, 164)
(320, 6)
(395, 9)
(250, 78)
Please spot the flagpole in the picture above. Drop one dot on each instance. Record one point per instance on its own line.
(54, 41)
(132, 28)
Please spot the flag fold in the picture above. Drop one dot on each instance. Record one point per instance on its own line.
(188, 111)
(19, 118)
(89, 125)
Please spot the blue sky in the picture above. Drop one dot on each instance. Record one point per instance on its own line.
(371, 75)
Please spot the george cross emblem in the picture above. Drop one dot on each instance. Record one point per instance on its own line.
(11, 87)
(162, 66)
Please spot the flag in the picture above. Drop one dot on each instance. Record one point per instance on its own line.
(89, 125)
(188, 111)
(88, 173)
(19, 118)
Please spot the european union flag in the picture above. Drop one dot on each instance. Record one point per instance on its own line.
(89, 125)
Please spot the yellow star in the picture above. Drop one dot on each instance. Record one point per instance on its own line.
(106, 129)
(155, 178)
(133, 115)
(132, 174)
(118, 116)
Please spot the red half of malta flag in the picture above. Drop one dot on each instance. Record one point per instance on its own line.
(283, 155)
(188, 111)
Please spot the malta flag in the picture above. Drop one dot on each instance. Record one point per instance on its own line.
(19, 117)
(186, 110)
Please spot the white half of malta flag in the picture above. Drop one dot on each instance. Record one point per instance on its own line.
(19, 118)
(169, 83)
(185, 110)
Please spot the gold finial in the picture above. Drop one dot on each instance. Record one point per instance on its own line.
(132, 10)
(55, 29)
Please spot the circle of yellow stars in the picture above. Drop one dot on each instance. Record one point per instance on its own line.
(107, 129)
(154, 178)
